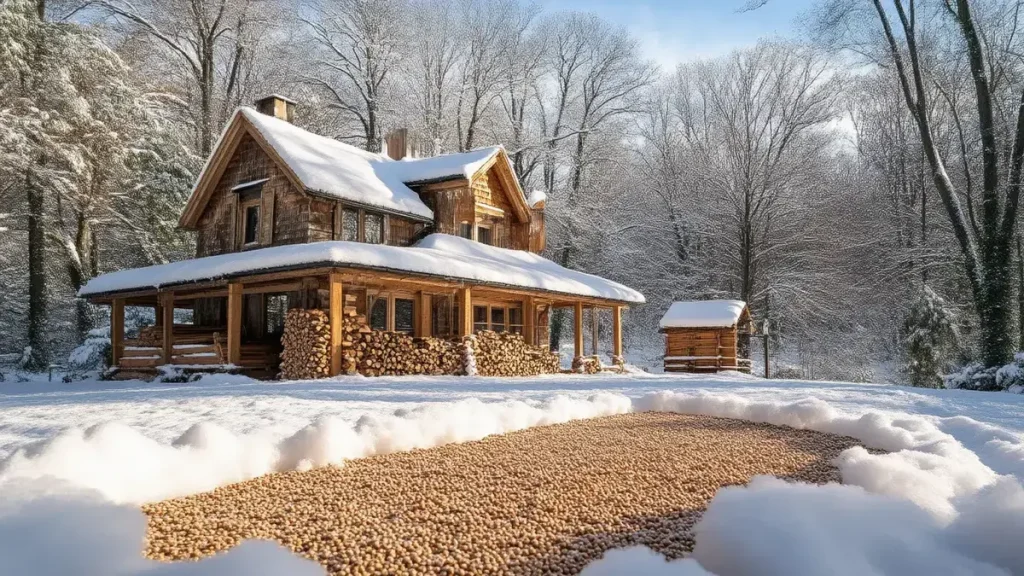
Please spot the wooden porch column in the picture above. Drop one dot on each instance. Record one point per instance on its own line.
(465, 311)
(617, 331)
(422, 324)
(167, 325)
(116, 330)
(529, 321)
(337, 308)
(593, 331)
(578, 331)
(234, 323)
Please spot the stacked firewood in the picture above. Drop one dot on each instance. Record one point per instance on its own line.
(507, 354)
(586, 364)
(381, 353)
(306, 345)
(354, 327)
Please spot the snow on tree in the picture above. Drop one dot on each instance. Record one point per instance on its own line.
(930, 335)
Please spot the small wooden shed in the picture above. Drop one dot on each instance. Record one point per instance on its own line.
(706, 336)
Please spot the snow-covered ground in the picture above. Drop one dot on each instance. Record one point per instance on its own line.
(954, 469)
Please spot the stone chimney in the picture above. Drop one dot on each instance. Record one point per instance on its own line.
(277, 106)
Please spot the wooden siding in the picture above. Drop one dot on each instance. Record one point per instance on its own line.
(321, 219)
(700, 349)
(281, 223)
(402, 231)
(451, 206)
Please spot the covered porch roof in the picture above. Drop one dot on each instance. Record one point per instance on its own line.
(438, 256)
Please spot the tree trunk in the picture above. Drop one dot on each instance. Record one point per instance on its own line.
(993, 307)
(1020, 297)
(40, 358)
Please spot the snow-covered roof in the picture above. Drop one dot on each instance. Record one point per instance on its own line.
(703, 314)
(458, 165)
(336, 169)
(436, 255)
(536, 197)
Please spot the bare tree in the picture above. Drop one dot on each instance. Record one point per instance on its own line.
(358, 52)
(213, 41)
(985, 241)
(599, 76)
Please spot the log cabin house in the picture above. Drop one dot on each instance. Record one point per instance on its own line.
(706, 336)
(285, 219)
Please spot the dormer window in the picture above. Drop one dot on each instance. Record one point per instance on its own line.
(373, 228)
(483, 235)
(250, 199)
(252, 224)
(350, 225)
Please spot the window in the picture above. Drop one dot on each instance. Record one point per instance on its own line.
(251, 225)
(379, 312)
(466, 230)
(442, 322)
(498, 319)
(404, 315)
(479, 318)
(277, 308)
(350, 225)
(373, 225)
(483, 235)
(515, 320)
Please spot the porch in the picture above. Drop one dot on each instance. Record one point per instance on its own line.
(238, 322)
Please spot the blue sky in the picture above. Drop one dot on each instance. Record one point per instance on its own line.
(674, 31)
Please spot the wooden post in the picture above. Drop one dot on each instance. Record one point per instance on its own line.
(578, 331)
(529, 321)
(116, 331)
(465, 311)
(617, 331)
(234, 323)
(422, 324)
(593, 331)
(337, 308)
(167, 328)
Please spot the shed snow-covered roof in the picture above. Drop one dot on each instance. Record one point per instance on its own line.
(703, 314)
(336, 169)
(436, 255)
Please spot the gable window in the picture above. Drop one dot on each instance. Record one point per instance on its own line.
(373, 228)
(252, 224)
(350, 225)
(466, 230)
(483, 235)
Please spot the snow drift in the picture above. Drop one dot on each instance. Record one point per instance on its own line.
(127, 467)
(929, 505)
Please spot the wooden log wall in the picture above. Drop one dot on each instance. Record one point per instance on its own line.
(700, 349)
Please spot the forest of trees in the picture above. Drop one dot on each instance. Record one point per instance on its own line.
(857, 183)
